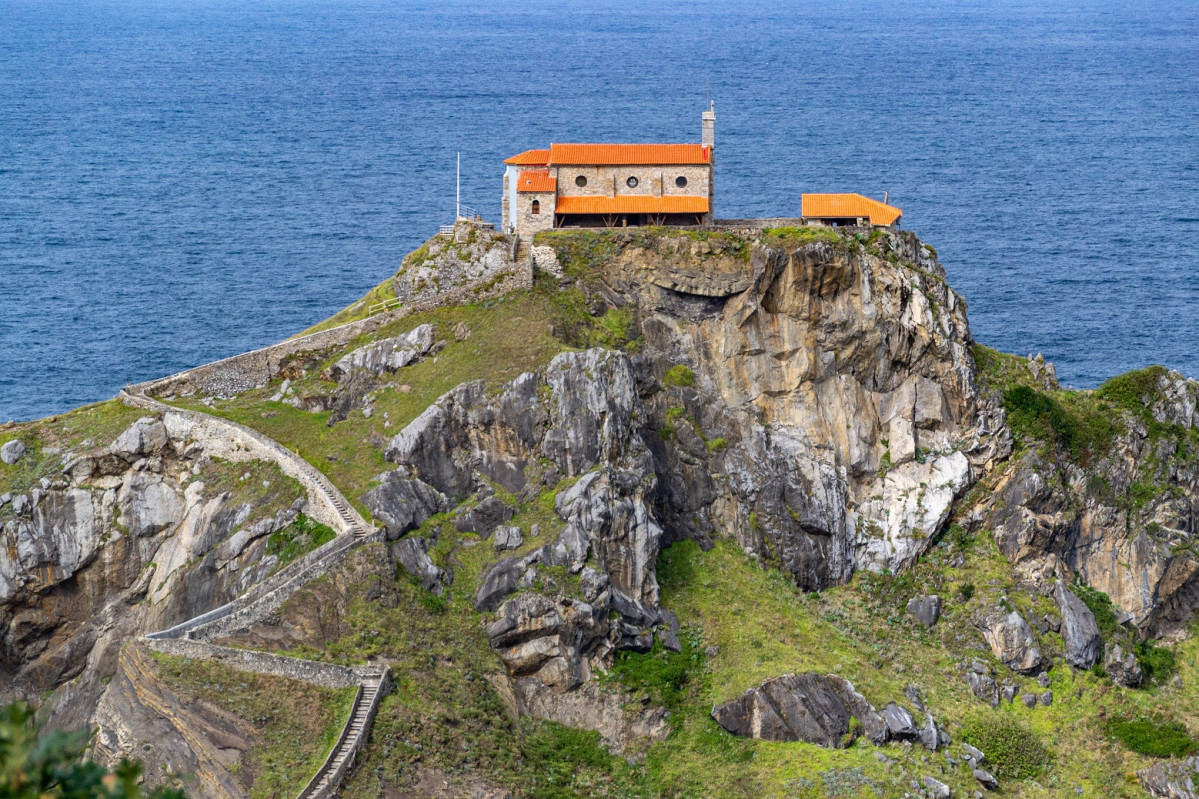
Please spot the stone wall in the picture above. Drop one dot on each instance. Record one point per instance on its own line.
(529, 223)
(652, 181)
(326, 675)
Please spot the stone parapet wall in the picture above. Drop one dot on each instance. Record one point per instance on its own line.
(326, 675)
(222, 438)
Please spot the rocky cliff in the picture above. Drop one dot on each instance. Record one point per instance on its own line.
(701, 493)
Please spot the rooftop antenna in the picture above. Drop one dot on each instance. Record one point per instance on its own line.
(458, 189)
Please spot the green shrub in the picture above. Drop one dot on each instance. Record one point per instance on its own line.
(1153, 737)
(715, 445)
(663, 674)
(1156, 662)
(1133, 390)
(679, 375)
(1101, 606)
(1013, 750)
(966, 591)
(1035, 415)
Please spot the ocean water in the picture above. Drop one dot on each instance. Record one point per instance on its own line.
(182, 180)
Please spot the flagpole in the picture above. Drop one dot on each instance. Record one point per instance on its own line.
(458, 189)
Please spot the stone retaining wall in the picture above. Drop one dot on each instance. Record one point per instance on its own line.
(326, 675)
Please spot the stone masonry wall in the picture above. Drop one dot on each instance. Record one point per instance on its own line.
(529, 223)
(652, 181)
(326, 675)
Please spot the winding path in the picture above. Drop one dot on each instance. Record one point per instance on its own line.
(224, 438)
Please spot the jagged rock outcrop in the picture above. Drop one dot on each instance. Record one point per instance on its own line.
(384, 355)
(1080, 632)
(471, 253)
(839, 383)
(1054, 517)
(125, 539)
(815, 708)
(402, 503)
(1123, 667)
(1169, 779)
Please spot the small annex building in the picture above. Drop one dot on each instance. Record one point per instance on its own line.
(847, 209)
(610, 185)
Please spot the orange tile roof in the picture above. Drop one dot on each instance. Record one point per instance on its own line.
(844, 206)
(539, 180)
(632, 204)
(628, 154)
(529, 158)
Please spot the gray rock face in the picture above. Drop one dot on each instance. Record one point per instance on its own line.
(412, 553)
(402, 503)
(484, 517)
(12, 451)
(985, 779)
(926, 609)
(497, 582)
(551, 640)
(815, 708)
(1011, 639)
(148, 505)
(145, 437)
(385, 355)
(1123, 667)
(1080, 632)
(1169, 779)
(982, 684)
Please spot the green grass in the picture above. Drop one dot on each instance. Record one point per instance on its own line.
(89, 427)
(355, 311)
(680, 376)
(295, 723)
(507, 337)
(1135, 390)
(298, 538)
(1153, 737)
(260, 483)
(792, 237)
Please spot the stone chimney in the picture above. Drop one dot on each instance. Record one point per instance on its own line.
(709, 126)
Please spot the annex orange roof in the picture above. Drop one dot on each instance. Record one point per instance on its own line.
(536, 180)
(632, 204)
(628, 154)
(529, 158)
(848, 206)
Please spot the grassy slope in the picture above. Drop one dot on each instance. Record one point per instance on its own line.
(507, 337)
(79, 430)
(296, 723)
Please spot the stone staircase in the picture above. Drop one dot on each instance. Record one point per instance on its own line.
(353, 737)
(236, 441)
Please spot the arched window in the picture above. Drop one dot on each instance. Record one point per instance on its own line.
(536, 206)
(581, 181)
(681, 182)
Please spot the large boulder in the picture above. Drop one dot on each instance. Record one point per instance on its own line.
(413, 554)
(484, 517)
(1080, 632)
(814, 708)
(146, 436)
(926, 609)
(385, 355)
(1011, 639)
(12, 451)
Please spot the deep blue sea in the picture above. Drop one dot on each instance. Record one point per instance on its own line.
(182, 180)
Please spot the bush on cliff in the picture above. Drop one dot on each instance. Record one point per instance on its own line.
(1013, 751)
(1035, 415)
(41, 764)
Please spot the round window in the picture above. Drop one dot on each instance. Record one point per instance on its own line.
(631, 182)
(680, 181)
(581, 181)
